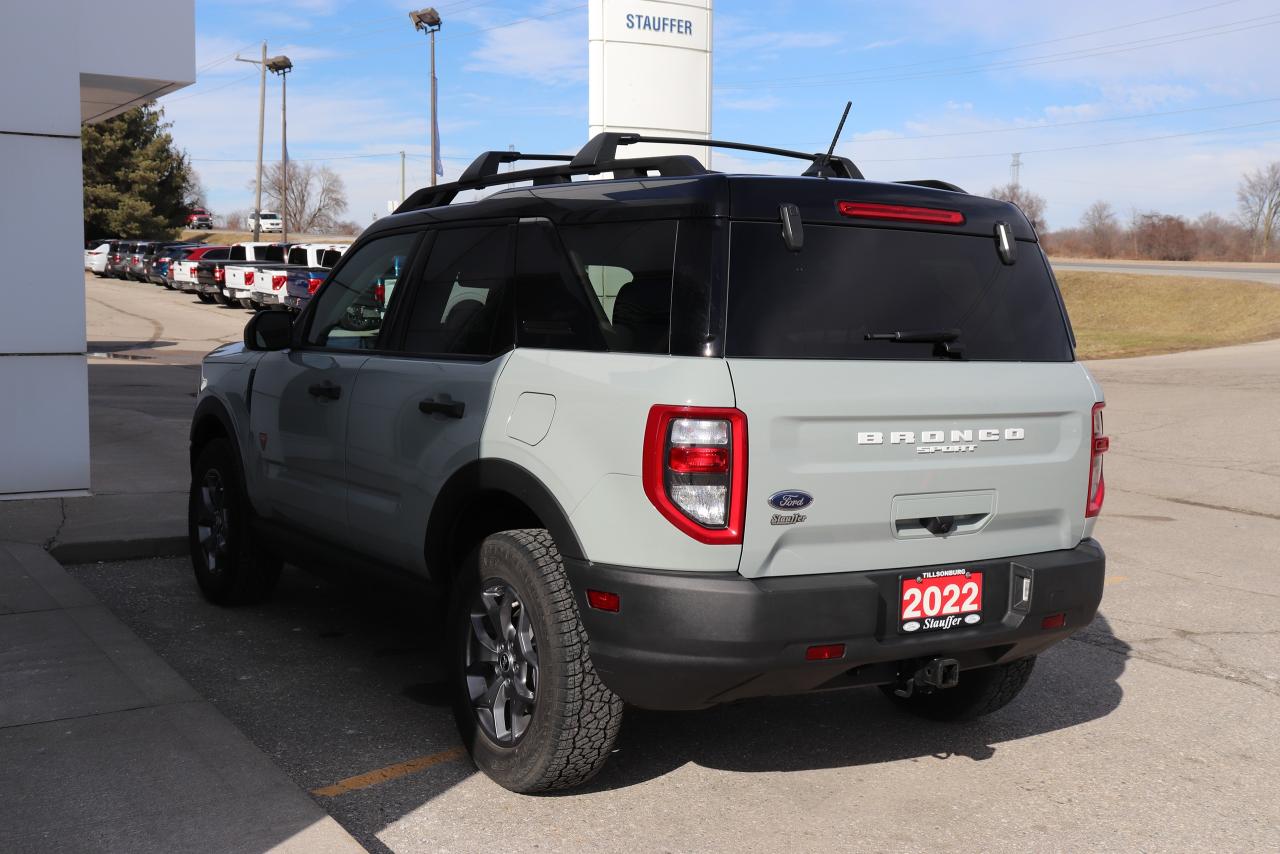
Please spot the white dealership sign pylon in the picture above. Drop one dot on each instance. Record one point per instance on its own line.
(650, 71)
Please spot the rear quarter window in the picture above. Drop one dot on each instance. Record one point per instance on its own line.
(847, 282)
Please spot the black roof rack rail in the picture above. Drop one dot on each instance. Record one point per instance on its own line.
(678, 165)
(935, 184)
(603, 148)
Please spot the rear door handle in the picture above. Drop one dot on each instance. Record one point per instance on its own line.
(328, 389)
(451, 408)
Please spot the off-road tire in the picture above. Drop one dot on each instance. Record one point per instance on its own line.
(242, 572)
(576, 718)
(979, 692)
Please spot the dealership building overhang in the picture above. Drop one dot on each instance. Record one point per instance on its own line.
(63, 63)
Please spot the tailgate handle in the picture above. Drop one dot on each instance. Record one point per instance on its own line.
(939, 526)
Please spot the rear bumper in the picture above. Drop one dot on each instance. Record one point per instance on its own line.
(685, 640)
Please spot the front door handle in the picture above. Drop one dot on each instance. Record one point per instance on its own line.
(451, 408)
(328, 389)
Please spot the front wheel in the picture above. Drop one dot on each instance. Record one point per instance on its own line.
(979, 692)
(529, 705)
(231, 568)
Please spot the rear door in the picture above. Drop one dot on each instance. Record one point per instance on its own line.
(872, 454)
(417, 414)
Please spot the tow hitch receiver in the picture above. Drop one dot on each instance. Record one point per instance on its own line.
(938, 674)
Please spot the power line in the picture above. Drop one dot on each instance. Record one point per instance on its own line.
(1048, 125)
(859, 77)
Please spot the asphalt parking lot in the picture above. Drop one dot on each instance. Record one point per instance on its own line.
(1151, 730)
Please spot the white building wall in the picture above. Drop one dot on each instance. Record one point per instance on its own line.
(116, 57)
(650, 71)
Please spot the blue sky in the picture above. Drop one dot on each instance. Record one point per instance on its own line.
(1188, 88)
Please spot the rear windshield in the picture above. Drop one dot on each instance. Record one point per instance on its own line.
(848, 282)
(271, 253)
(237, 253)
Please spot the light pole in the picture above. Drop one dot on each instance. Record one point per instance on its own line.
(262, 114)
(428, 20)
(282, 66)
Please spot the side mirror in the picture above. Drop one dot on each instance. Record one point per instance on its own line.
(269, 330)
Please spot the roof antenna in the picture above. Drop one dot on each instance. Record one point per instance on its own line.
(822, 164)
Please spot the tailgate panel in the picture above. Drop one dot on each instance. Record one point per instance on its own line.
(999, 451)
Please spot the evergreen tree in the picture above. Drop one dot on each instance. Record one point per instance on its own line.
(136, 182)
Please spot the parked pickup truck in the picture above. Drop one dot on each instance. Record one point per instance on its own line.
(243, 267)
(303, 262)
(182, 272)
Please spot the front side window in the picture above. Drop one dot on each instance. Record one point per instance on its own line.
(349, 310)
(460, 305)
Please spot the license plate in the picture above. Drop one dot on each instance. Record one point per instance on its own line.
(940, 600)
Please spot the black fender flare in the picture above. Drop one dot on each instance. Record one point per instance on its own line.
(496, 475)
(212, 407)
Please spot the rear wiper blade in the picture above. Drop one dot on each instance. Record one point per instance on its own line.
(920, 336)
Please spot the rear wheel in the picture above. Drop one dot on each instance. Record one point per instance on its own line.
(530, 708)
(246, 303)
(206, 298)
(979, 692)
(221, 298)
(230, 567)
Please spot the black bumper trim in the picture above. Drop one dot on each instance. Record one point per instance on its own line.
(686, 640)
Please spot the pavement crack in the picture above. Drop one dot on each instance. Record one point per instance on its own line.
(1113, 644)
(53, 540)
(1189, 503)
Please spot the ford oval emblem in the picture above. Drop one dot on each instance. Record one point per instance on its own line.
(972, 618)
(910, 626)
(790, 499)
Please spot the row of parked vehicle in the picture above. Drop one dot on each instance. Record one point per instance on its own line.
(254, 275)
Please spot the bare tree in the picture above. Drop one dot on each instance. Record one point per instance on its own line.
(234, 221)
(1031, 204)
(1164, 237)
(1259, 198)
(1099, 224)
(316, 196)
(195, 195)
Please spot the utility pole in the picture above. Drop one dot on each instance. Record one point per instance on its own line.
(402, 177)
(428, 20)
(1015, 169)
(262, 117)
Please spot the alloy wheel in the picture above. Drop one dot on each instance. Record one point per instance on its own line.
(213, 521)
(501, 664)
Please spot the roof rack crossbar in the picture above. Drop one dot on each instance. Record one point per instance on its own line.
(489, 162)
(667, 166)
(603, 147)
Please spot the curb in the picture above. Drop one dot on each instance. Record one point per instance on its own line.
(92, 551)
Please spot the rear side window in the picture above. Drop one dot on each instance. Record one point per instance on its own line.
(629, 268)
(460, 305)
(556, 308)
(848, 282)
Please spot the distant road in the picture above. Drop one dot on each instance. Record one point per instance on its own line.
(1265, 273)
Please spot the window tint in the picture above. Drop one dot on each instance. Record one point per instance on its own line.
(460, 305)
(848, 282)
(348, 312)
(217, 253)
(297, 255)
(330, 258)
(237, 254)
(555, 306)
(629, 267)
(271, 253)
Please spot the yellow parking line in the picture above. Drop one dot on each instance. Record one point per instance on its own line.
(1115, 579)
(391, 772)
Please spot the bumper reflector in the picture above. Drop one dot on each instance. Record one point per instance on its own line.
(1054, 621)
(824, 652)
(604, 601)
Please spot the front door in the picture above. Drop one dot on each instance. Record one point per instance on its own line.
(302, 398)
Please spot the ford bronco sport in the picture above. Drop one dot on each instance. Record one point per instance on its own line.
(673, 438)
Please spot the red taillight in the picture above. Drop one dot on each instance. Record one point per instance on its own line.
(277, 282)
(313, 285)
(695, 470)
(602, 600)
(900, 213)
(380, 293)
(1098, 445)
(219, 274)
(248, 277)
(824, 652)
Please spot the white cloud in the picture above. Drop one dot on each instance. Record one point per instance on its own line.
(548, 51)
